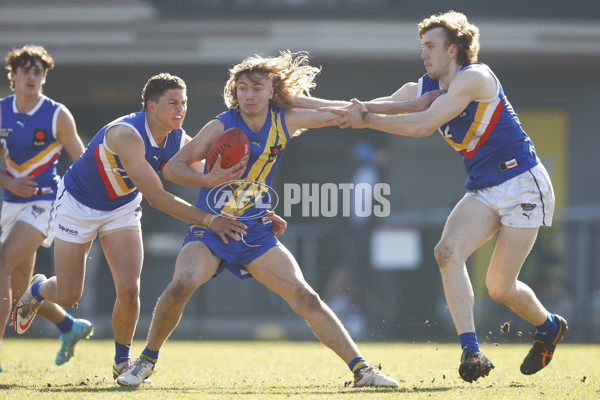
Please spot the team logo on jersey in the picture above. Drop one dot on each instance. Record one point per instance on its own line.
(5, 132)
(120, 171)
(446, 132)
(162, 165)
(275, 150)
(463, 114)
(40, 137)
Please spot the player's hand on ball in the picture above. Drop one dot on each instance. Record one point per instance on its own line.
(279, 225)
(219, 176)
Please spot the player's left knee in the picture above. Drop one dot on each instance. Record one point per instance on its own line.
(500, 293)
(306, 300)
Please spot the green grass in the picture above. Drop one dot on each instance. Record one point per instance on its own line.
(302, 370)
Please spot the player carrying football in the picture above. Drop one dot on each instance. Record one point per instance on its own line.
(101, 195)
(254, 88)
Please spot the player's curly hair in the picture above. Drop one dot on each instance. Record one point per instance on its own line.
(290, 73)
(459, 31)
(158, 85)
(27, 55)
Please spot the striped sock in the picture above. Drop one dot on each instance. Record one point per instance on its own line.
(357, 365)
(150, 355)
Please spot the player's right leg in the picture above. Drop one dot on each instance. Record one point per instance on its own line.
(17, 258)
(470, 225)
(195, 265)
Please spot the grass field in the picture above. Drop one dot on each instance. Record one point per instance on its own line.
(284, 370)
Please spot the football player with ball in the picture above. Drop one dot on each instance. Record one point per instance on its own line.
(254, 89)
(100, 195)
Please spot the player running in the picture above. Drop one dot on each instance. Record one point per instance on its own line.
(33, 131)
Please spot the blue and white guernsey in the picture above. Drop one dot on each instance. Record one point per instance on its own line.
(31, 145)
(97, 179)
(489, 136)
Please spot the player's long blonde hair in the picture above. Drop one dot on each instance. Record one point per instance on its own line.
(290, 73)
(459, 31)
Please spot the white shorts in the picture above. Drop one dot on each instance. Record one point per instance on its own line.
(525, 201)
(78, 223)
(38, 214)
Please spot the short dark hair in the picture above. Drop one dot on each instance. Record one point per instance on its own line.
(158, 85)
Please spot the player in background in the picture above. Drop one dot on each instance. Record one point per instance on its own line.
(34, 130)
(101, 194)
(254, 89)
(508, 188)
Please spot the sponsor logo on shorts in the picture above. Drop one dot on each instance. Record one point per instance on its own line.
(463, 114)
(196, 231)
(37, 210)
(528, 206)
(68, 231)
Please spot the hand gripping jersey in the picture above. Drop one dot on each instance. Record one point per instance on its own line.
(97, 179)
(489, 136)
(32, 148)
(250, 197)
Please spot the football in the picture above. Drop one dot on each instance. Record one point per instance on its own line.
(233, 145)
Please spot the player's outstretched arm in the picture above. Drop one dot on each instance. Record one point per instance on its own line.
(312, 103)
(130, 149)
(465, 88)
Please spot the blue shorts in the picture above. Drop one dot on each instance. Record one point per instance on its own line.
(235, 255)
